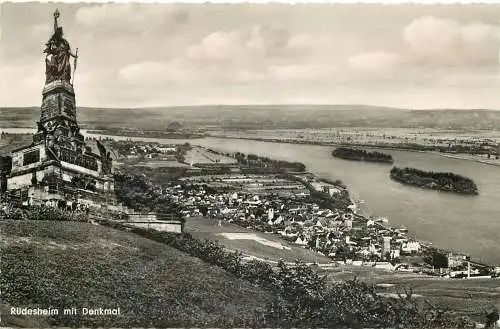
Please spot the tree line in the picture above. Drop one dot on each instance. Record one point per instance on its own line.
(444, 181)
(361, 155)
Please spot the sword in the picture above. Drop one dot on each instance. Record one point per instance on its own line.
(74, 66)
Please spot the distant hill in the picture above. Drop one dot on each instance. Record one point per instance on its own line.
(266, 117)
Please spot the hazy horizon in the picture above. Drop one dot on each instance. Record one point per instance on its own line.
(338, 107)
(407, 56)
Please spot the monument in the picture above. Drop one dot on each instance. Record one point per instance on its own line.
(59, 166)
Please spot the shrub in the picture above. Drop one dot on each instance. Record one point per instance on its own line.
(302, 296)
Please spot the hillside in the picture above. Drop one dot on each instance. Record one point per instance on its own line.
(70, 264)
(251, 243)
(266, 117)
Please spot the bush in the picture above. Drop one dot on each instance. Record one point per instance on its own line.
(303, 297)
(42, 213)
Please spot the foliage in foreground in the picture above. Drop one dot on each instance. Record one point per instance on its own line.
(139, 193)
(303, 297)
(40, 213)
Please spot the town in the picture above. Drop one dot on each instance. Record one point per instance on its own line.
(297, 206)
(140, 217)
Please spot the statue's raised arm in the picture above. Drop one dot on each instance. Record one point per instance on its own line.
(56, 16)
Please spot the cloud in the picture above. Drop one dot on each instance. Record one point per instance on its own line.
(432, 51)
(161, 73)
(443, 42)
(375, 61)
(130, 16)
(432, 38)
(219, 45)
(259, 40)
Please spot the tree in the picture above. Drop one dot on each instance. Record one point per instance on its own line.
(203, 209)
(436, 259)
(491, 318)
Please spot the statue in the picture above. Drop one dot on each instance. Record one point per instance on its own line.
(58, 54)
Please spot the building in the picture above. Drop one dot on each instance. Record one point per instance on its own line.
(455, 260)
(59, 164)
(411, 247)
(5, 167)
(386, 246)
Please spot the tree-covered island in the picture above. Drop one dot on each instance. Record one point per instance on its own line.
(442, 181)
(361, 155)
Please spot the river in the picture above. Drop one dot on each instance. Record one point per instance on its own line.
(469, 224)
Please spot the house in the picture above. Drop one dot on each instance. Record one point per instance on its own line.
(411, 247)
(395, 253)
(301, 241)
(384, 265)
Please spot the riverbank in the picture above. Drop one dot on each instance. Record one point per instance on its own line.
(490, 162)
(429, 215)
(369, 146)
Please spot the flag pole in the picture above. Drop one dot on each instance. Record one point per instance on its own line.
(74, 66)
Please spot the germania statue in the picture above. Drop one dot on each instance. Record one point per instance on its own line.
(58, 54)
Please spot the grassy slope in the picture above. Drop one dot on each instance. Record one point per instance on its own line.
(68, 264)
(203, 228)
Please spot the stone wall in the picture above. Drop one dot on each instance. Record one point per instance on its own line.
(142, 217)
(18, 158)
(19, 182)
(163, 226)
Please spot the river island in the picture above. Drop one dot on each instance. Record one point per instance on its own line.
(361, 155)
(442, 181)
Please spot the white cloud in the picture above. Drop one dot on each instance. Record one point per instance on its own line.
(130, 16)
(178, 71)
(219, 45)
(258, 40)
(479, 32)
(375, 61)
(444, 42)
(431, 38)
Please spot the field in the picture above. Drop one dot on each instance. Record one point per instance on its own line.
(199, 155)
(69, 264)
(251, 243)
(11, 142)
(163, 164)
(470, 297)
(265, 117)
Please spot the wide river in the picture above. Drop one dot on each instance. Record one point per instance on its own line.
(470, 224)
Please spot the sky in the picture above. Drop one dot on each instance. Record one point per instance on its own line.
(141, 55)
